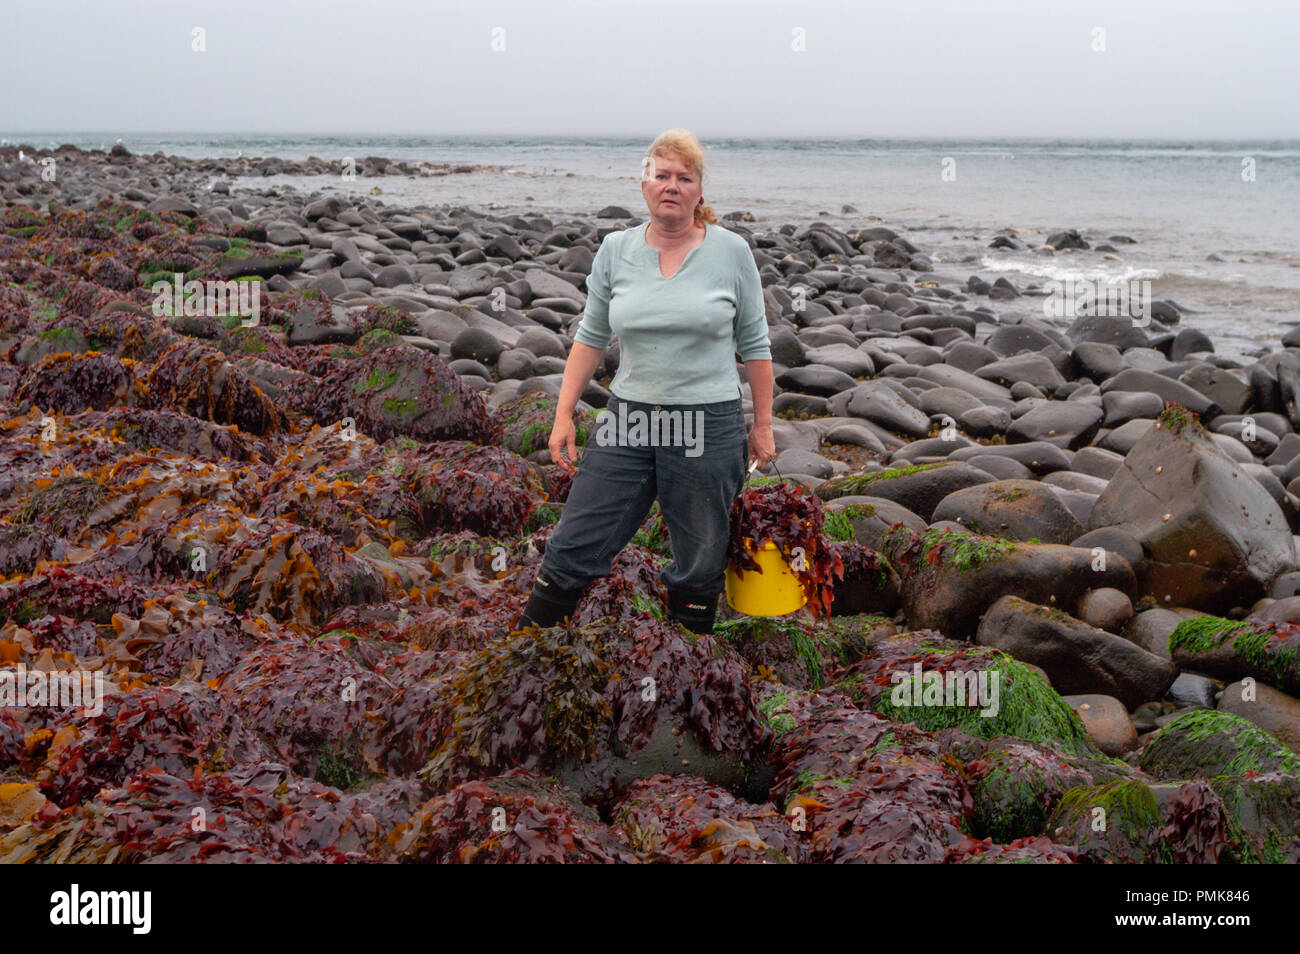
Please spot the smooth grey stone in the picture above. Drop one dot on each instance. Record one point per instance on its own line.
(984, 421)
(1192, 691)
(1096, 360)
(1228, 390)
(842, 357)
(950, 401)
(1125, 437)
(1003, 468)
(1097, 462)
(945, 376)
(1073, 480)
(1063, 423)
(1124, 406)
(1040, 457)
(815, 379)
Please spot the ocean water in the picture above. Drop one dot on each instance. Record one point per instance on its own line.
(1181, 201)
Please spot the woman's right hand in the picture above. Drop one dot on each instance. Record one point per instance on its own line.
(564, 438)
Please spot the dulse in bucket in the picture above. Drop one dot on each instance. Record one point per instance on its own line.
(791, 517)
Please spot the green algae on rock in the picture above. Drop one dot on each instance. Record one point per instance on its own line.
(1234, 649)
(1022, 704)
(1116, 822)
(1207, 743)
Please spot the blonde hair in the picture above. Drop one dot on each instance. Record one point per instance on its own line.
(681, 144)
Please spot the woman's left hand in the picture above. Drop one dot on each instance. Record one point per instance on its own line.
(762, 445)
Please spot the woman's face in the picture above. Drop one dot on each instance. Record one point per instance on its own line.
(671, 190)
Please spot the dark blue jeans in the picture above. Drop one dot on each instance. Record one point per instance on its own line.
(695, 471)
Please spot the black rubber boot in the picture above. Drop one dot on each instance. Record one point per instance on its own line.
(695, 611)
(549, 605)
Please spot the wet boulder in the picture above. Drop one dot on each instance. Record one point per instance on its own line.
(404, 391)
(1275, 712)
(598, 707)
(1237, 649)
(919, 488)
(72, 383)
(1214, 537)
(1014, 509)
(193, 379)
(1079, 658)
(948, 578)
(1206, 743)
(1068, 424)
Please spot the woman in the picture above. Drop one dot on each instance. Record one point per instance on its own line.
(684, 296)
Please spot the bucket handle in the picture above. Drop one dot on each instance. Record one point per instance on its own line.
(752, 466)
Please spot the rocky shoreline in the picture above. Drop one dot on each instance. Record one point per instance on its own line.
(293, 549)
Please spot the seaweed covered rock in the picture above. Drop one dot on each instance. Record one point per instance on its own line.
(599, 706)
(149, 430)
(866, 789)
(465, 486)
(1207, 743)
(293, 574)
(948, 578)
(1263, 816)
(193, 379)
(60, 590)
(59, 506)
(72, 383)
(337, 508)
(1130, 821)
(313, 706)
(1237, 649)
(177, 637)
(936, 683)
(255, 812)
(1118, 822)
(58, 338)
(1213, 536)
(515, 818)
(404, 391)
(797, 652)
(1035, 851)
(1017, 785)
(685, 819)
(174, 730)
(527, 420)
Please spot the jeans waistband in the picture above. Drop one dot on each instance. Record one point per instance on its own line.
(733, 405)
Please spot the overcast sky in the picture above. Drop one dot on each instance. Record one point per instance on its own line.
(1195, 69)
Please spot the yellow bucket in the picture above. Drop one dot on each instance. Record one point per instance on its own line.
(775, 591)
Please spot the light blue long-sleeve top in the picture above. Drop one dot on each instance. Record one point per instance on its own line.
(678, 337)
